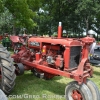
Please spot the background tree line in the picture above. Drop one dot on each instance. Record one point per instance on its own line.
(42, 16)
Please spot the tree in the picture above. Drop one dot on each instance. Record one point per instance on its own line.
(21, 12)
(5, 21)
(75, 15)
(88, 11)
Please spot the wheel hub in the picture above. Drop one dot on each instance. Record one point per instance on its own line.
(76, 95)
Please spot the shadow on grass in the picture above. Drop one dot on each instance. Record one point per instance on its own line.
(30, 84)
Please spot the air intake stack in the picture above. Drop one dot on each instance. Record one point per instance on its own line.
(60, 30)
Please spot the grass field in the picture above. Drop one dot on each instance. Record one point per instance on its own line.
(29, 87)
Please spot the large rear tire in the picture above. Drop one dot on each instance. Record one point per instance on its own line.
(74, 91)
(7, 71)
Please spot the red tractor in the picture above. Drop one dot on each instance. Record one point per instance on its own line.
(17, 42)
(54, 56)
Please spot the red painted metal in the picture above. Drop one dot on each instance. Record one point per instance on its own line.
(18, 41)
(60, 30)
(66, 58)
(38, 56)
(77, 95)
(59, 62)
(44, 50)
(1, 37)
(14, 39)
(65, 42)
(55, 56)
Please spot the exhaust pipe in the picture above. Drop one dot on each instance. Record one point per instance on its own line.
(60, 30)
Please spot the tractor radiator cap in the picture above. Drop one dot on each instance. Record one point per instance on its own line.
(60, 23)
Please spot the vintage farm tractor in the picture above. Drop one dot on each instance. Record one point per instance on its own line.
(54, 56)
(17, 42)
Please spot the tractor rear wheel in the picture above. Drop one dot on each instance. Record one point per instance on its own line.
(74, 91)
(7, 71)
(94, 89)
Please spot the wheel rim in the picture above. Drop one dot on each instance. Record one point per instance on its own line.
(75, 94)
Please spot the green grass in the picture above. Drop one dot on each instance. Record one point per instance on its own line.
(41, 89)
(96, 76)
(29, 84)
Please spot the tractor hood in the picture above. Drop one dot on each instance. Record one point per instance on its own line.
(64, 42)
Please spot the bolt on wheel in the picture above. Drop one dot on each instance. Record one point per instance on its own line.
(74, 91)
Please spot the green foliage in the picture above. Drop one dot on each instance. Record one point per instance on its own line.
(23, 12)
(75, 15)
(1, 6)
(34, 4)
(88, 11)
(20, 11)
(5, 21)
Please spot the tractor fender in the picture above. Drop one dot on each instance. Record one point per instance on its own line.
(14, 39)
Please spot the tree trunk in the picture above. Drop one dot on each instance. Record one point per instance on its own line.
(14, 30)
(87, 25)
(14, 27)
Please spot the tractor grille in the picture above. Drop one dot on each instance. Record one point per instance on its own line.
(75, 54)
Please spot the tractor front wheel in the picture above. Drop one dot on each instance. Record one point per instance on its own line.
(7, 71)
(74, 91)
(94, 89)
